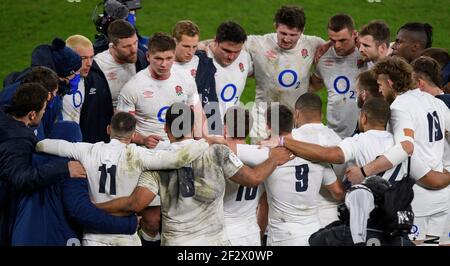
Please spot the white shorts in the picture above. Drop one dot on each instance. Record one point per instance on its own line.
(297, 241)
(291, 233)
(111, 240)
(432, 225)
(248, 240)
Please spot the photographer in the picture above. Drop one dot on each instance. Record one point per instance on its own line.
(113, 10)
(375, 213)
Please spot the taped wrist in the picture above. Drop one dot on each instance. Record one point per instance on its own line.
(396, 154)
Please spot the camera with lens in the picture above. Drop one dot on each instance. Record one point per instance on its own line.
(112, 10)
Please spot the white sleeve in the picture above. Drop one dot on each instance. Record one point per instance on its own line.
(63, 148)
(252, 155)
(329, 177)
(400, 120)
(170, 159)
(360, 204)
(250, 65)
(349, 147)
(126, 101)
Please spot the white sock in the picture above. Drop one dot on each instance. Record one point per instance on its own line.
(146, 237)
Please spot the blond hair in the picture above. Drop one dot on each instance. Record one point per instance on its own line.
(185, 27)
(78, 40)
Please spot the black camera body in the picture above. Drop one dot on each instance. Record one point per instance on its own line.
(132, 4)
(103, 19)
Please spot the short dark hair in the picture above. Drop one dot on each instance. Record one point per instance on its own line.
(341, 21)
(291, 16)
(43, 75)
(368, 82)
(28, 97)
(398, 70)
(285, 119)
(377, 110)
(123, 124)
(438, 54)
(230, 31)
(185, 27)
(427, 68)
(421, 28)
(161, 42)
(237, 117)
(120, 29)
(379, 31)
(186, 113)
(309, 102)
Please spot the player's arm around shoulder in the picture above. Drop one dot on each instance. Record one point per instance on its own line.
(63, 148)
(251, 177)
(170, 159)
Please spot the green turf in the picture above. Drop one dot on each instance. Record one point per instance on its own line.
(26, 24)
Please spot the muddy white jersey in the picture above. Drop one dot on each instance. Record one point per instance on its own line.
(72, 103)
(192, 197)
(149, 98)
(339, 74)
(116, 74)
(231, 79)
(113, 169)
(281, 75)
(429, 118)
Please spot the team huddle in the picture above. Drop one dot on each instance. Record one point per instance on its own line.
(144, 141)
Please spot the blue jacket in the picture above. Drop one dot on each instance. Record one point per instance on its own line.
(41, 56)
(97, 109)
(17, 174)
(445, 98)
(57, 215)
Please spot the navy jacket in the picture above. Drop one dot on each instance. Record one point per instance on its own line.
(57, 215)
(445, 98)
(97, 109)
(41, 56)
(206, 86)
(17, 174)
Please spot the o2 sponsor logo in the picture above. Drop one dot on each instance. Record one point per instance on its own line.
(288, 78)
(77, 99)
(342, 85)
(228, 93)
(162, 114)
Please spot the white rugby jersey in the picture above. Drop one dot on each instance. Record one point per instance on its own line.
(231, 79)
(192, 206)
(239, 207)
(339, 74)
(116, 74)
(281, 75)
(113, 168)
(188, 67)
(318, 133)
(292, 190)
(429, 117)
(149, 99)
(71, 107)
(365, 147)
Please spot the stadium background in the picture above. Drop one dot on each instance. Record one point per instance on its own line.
(24, 24)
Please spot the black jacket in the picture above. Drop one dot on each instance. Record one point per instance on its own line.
(17, 175)
(97, 109)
